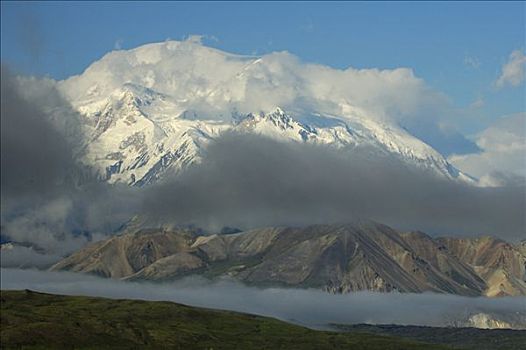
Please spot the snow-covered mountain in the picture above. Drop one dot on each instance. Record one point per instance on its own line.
(154, 109)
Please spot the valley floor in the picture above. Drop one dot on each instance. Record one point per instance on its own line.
(32, 320)
(460, 338)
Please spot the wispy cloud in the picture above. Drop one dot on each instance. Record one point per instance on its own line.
(118, 44)
(477, 104)
(512, 71)
(471, 62)
(200, 38)
(195, 38)
(308, 26)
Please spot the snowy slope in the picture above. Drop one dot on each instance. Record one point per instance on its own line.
(153, 109)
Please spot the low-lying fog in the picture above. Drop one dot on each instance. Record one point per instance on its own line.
(313, 308)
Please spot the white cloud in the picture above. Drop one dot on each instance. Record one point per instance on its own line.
(199, 39)
(118, 44)
(308, 27)
(471, 62)
(503, 153)
(513, 71)
(195, 38)
(477, 104)
(213, 83)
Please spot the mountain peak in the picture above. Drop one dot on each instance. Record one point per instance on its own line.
(154, 108)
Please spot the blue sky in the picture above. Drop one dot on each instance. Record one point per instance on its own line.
(457, 48)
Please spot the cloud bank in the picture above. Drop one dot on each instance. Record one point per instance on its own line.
(249, 181)
(307, 307)
(244, 181)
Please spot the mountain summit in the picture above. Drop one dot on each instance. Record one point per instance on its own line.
(154, 109)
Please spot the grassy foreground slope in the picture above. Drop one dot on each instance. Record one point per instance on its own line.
(33, 320)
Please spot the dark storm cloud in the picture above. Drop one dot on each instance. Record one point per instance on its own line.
(314, 308)
(35, 157)
(250, 181)
(47, 198)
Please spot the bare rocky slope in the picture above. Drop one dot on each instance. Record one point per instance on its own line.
(336, 258)
(499, 263)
